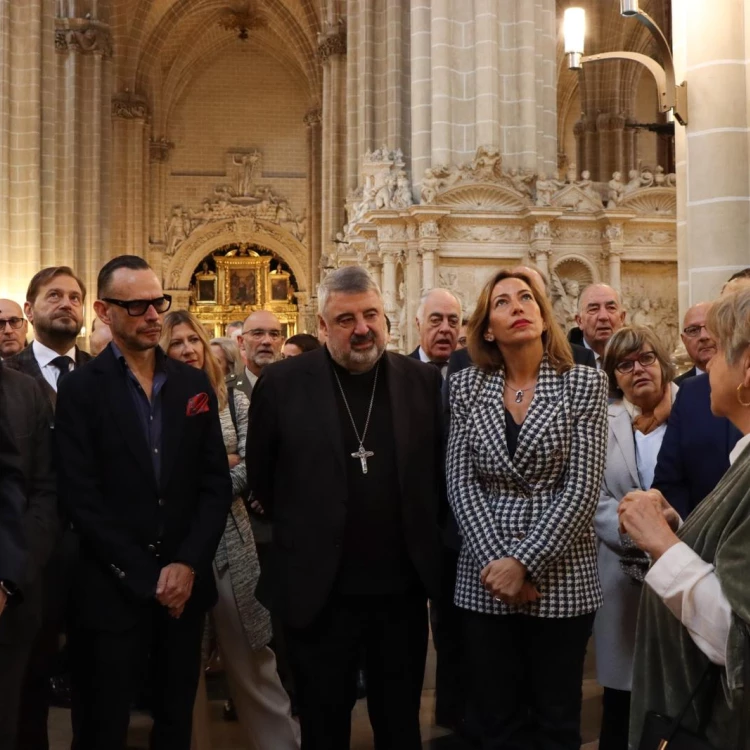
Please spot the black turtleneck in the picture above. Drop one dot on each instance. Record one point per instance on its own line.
(374, 558)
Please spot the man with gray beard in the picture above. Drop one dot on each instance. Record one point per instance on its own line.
(345, 455)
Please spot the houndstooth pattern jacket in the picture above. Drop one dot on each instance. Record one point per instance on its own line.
(539, 506)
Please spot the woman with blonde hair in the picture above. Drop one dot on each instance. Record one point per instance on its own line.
(242, 624)
(525, 459)
(692, 649)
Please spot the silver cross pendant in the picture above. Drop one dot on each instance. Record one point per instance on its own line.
(363, 455)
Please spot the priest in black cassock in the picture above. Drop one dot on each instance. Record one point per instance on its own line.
(344, 453)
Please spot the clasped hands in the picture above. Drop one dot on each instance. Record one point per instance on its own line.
(650, 521)
(175, 587)
(506, 580)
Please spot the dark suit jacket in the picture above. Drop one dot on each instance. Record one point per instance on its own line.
(296, 469)
(12, 503)
(30, 416)
(691, 373)
(415, 354)
(131, 526)
(694, 454)
(25, 362)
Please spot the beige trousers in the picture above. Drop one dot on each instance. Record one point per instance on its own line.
(262, 704)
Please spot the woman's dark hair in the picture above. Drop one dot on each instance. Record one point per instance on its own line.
(305, 342)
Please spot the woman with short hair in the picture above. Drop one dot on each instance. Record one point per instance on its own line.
(525, 460)
(640, 378)
(243, 626)
(695, 607)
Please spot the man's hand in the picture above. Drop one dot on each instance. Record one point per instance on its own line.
(647, 518)
(3, 601)
(175, 586)
(504, 578)
(257, 507)
(176, 612)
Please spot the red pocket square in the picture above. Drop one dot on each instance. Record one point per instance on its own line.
(197, 404)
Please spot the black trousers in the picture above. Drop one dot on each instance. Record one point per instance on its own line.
(615, 719)
(446, 620)
(108, 670)
(325, 656)
(524, 676)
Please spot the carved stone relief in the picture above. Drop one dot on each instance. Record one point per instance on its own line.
(567, 280)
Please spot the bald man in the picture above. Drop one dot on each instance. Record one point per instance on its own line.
(261, 343)
(600, 314)
(438, 323)
(13, 328)
(698, 342)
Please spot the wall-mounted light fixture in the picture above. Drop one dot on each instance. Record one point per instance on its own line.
(672, 96)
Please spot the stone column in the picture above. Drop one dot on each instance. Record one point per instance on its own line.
(389, 282)
(541, 245)
(428, 245)
(713, 183)
(331, 52)
(314, 167)
(613, 247)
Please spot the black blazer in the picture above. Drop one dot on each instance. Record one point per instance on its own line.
(29, 416)
(130, 526)
(12, 503)
(691, 373)
(695, 450)
(25, 362)
(296, 469)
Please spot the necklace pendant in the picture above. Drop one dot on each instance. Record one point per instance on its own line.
(519, 396)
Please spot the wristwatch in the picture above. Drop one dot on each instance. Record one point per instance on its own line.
(8, 588)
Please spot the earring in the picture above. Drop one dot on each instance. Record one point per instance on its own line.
(489, 337)
(746, 404)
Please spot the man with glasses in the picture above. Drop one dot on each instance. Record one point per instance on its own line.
(54, 305)
(142, 471)
(698, 342)
(261, 342)
(13, 328)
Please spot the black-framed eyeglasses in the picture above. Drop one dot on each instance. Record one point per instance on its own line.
(694, 331)
(137, 307)
(259, 333)
(644, 359)
(14, 323)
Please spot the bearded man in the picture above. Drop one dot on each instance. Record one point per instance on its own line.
(345, 455)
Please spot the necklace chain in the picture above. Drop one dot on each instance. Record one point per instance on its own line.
(369, 410)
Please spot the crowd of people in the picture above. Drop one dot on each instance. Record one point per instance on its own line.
(313, 506)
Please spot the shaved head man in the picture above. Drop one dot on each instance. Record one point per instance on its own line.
(699, 344)
(600, 314)
(438, 323)
(261, 341)
(13, 328)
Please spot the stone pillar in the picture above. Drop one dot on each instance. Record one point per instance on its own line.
(541, 245)
(713, 183)
(331, 52)
(389, 283)
(314, 168)
(130, 156)
(613, 244)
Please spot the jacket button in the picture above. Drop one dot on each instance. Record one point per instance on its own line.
(151, 548)
(121, 575)
(161, 502)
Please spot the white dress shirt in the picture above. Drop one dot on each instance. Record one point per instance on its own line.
(424, 358)
(692, 592)
(44, 356)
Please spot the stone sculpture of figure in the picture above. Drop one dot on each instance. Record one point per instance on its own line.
(403, 197)
(659, 177)
(177, 229)
(301, 221)
(521, 182)
(616, 190)
(647, 177)
(385, 193)
(565, 299)
(587, 186)
(429, 187)
(249, 164)
(634, 181)
(545, 189)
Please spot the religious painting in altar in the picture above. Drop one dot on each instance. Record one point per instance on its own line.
(235, 281)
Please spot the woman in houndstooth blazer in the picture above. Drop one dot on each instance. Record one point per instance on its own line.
(525, 460)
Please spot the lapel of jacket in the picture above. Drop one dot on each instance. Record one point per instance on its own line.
(27, 364)
(174, 400)
(322, 399)
(400, 395)
(622, 428)
(120, 402)
(488, 414)
(547, 401)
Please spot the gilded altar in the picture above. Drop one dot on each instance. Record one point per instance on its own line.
(242, 283)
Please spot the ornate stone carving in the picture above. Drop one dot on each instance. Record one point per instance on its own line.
(618, 193)
(616, 190)
(655, 237)
(650, 301)
(428, 230)
(332, 41)
(313, 117)
(546, 187)
(386, 184)
(158, 150)
(568, 280)
(576, 234)
(129, 106)
(83, 35)
(391, 233)
(249, 166)
(613, 233)
(484, 233)
(542, 230)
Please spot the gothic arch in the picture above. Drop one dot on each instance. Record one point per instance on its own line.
(212, 236)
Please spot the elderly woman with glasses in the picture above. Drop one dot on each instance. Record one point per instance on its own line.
(640, 379)
(695, 607)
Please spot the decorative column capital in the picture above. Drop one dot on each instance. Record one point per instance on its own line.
(83, 35)
(428, 230)
(313, 117)
(158, 150)
(332, 41)
(129, 106)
